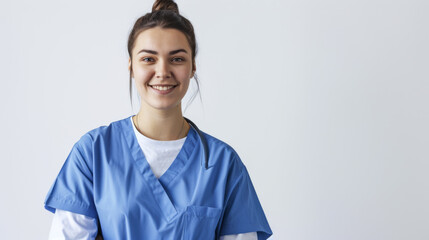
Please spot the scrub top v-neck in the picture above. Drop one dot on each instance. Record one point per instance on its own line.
(159, 154)
(106, 176)
(159, 186)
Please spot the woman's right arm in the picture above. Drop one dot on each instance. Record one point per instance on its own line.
(68, 225)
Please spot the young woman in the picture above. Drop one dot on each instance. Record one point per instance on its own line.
(155, 175)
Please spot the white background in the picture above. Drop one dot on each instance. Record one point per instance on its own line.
(326, 102)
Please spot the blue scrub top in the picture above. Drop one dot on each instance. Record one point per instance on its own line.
(107, 177)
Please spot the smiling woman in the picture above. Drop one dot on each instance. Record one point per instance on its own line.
(162, 66)
(155, 175)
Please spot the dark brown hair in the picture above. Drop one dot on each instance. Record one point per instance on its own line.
(165, 14)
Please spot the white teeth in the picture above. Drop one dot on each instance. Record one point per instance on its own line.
(162, 88)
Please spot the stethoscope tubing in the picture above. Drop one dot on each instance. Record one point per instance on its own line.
(202, 140)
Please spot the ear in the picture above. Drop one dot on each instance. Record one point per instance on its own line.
(130, 67)
(194, 68)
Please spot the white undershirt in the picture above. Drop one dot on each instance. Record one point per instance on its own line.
(159, 154)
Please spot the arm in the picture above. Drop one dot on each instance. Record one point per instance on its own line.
(68, 225)
(241, 236)
(243, 212)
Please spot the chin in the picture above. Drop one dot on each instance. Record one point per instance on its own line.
(165, 106)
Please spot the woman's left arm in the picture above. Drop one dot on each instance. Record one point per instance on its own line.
(243, 211)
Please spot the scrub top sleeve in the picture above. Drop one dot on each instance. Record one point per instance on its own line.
(73, 188)
(243, 211)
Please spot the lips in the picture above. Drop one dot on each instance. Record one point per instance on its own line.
(163, 88)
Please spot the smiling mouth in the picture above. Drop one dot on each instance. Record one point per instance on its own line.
(163, 87)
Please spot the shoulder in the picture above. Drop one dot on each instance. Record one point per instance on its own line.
(99, 140)
(102, 134)
(223, 154)
(218, 145)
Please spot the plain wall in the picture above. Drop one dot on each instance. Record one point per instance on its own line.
(326, 102)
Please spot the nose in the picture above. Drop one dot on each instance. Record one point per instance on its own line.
(163, 70)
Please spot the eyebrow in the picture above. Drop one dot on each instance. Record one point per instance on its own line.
(155, 52)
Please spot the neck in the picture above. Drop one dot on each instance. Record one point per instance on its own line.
(163, 125)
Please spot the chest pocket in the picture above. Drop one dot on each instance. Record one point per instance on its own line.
(200, 222)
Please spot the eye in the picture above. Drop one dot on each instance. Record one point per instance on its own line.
(178, 59)
(147, 59)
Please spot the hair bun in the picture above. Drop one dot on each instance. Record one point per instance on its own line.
(165, 5)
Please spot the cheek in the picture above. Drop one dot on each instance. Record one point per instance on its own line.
(185, 85)
(184, 74)
(142, 75)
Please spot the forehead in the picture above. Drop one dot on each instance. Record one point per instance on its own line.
(162, 40)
